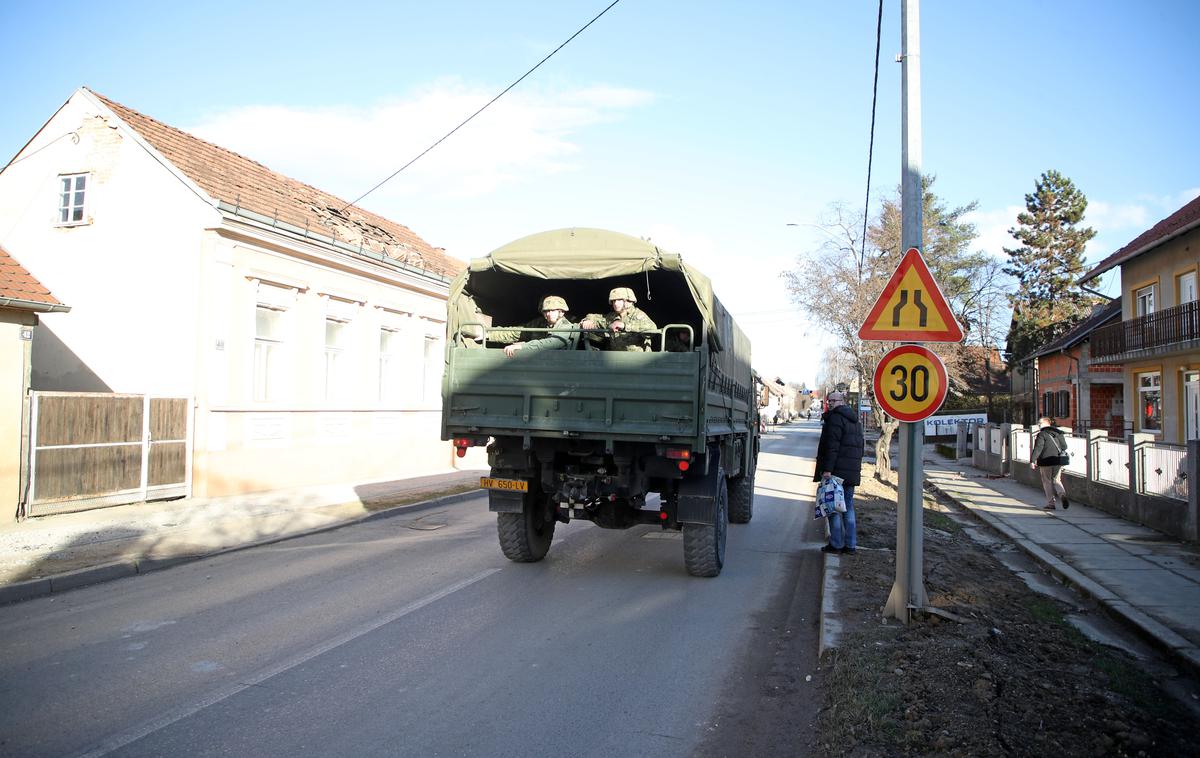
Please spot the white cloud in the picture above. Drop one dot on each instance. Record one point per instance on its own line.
(992, 227)
(1106, 217)
(347, 150)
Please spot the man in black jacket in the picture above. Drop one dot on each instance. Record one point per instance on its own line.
(840, 454)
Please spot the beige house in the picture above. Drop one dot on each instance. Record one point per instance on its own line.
(306, 336)
(1158, 337)
(22, 298)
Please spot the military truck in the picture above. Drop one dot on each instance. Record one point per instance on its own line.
(588, 433)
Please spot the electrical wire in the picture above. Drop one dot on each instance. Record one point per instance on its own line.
(395, 173)
(871, 144)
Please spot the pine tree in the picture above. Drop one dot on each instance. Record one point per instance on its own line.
(1047, 266)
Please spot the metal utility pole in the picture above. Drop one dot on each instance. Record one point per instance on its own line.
(908, 592)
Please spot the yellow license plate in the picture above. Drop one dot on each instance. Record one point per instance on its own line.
(512, 485)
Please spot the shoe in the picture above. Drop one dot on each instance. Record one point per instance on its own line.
(848, 550)
(831, 549)
(1066, 503)
(1049, 508)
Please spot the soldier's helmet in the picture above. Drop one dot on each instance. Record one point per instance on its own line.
(622, 293)
(553, 302)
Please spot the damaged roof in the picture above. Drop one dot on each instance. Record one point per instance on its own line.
(247, 184)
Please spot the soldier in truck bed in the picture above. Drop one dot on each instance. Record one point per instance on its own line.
(553, 317)
(623, 321)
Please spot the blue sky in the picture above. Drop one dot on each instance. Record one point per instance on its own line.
(705, 126)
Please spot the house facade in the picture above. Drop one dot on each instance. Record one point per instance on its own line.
(1157, 341)
(1072, 388)
(307, 336)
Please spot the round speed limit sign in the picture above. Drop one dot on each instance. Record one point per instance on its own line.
(910, 383)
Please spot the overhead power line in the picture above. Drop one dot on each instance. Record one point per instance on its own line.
(871, 144)
(466, 121)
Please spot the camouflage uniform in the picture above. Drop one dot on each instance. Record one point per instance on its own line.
(633, 319)
(534, 340)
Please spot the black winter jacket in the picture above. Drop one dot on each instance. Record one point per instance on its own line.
(840, 450)
(1048, 446)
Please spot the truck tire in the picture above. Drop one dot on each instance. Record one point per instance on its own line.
(525, 537)
(704, 544)
(741, 499)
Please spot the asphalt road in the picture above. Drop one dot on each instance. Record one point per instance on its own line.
(414, 636)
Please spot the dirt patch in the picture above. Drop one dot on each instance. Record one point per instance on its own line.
(1014, 678)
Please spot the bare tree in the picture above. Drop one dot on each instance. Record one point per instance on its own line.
(837, 284)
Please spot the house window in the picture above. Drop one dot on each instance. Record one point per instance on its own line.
(1187, 287)
(72, 192)
(268, 352)
(1143, 300)
(1149, 388)
(336, 333)
(433, 370)
(1047, 403)
(1064, 404)
(391, 379)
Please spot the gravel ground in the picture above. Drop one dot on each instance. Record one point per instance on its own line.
(1013, 677)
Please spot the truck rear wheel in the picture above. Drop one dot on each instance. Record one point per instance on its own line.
(704, 544)
(525, 537)
(741, 499)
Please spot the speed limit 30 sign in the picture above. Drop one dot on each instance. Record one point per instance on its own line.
(910, 383)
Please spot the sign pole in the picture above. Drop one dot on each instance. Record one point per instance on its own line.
(908, 592)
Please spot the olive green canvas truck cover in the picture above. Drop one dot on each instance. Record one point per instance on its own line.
(698, 387)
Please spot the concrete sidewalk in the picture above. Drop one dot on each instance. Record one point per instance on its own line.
(1140, 576)
(55, 553)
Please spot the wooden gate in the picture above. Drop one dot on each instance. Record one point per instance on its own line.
(91, 450)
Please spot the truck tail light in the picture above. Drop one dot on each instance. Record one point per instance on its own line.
(460, 447)
(679, 454)
(683, 466)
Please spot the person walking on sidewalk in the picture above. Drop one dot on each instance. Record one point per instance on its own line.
(840, 454)
(1049, 456)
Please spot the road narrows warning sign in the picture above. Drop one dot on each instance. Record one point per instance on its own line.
(911, 307)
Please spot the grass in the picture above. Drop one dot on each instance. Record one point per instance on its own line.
(936, 520)
(854, 688)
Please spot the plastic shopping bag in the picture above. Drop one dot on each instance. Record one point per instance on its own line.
(831, 497)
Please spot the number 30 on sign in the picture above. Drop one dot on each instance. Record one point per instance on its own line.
(910, 383)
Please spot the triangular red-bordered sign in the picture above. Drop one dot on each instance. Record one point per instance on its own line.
(911, 307)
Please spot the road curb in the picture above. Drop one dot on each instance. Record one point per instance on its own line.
(1153, 632)
(56, 583)
(829, 635)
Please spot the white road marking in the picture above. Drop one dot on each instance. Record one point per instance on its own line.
(118, 741)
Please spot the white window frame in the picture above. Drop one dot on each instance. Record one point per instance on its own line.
(336, 367)
(1144, 300)
(72, 200)
(391, 360)
(1142, 391)
(432, 361)
(268, 352)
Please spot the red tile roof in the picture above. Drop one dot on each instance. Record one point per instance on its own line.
(1180, 220)
(244, 183)
(18, 284)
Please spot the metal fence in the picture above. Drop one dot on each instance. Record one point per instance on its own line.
(1077, 449)
(1162, 470)
(1022, 445)
(90, 449)
(1110, 462)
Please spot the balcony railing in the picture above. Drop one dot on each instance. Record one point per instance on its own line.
(1170, 327)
